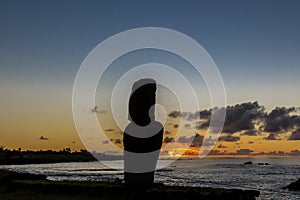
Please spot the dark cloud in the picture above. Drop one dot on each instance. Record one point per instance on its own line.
(183, 139)
(118, 141)
(249, 118)
(294, 153)
(195, 141)
(198, 140)
(168, 140)
(271, 136)
(200, 125)
(164, 153)
(242, 117)
(205, 114)
(250, 132)
(243, 152)
(215, 152)
(295, 135)
(175, 114)
(105, 141)
(250, 152)
(96, 110)
(109, 129)
(221, 146)
(188, 126)
(280, 111)
(209, 142)
(229, 138)
(280, 120)
(167, 132)
(190, 153)
(43, 138)
(194, 116)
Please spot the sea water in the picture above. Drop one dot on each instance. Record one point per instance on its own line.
(270, 180)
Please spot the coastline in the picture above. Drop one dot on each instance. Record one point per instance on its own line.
(16, 157)
(29, 186)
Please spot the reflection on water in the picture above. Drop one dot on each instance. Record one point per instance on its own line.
(226, 173)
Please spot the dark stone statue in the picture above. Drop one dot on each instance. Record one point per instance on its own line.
(143, 135)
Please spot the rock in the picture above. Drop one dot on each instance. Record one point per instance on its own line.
(35, 187)
(248, 163)
(263, 163)
(294, 185)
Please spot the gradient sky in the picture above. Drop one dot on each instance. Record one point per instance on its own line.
(255, 44)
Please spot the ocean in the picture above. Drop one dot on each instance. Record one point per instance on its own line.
(270, 180)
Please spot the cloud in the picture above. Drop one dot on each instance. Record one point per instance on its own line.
(249, 118)
(164, 153)
(250, 132)
(251, 152)
(105, 141)
(294, 153)
(168, 140)
(204, 114)
(215, 152)
(229, 138)
(244, 152)
(167, 132)
(187, 126)
(109, 129)
(96, 110)
(280, 120)
(221, 146)
(196, 140)
(183, 139)
(118, 141)
(175, 114)
(242, 117)
(271, 137)
(209, 142)
(200, 125)
(295, 135)
(43, 138)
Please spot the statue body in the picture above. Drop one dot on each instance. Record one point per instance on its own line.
(143, 135)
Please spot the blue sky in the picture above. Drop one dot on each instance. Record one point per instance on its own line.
(256, 44)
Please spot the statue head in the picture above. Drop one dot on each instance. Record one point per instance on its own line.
(142, 98)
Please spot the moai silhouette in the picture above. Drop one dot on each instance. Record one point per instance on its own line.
(143, 135)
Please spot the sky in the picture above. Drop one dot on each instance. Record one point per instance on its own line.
(255, 44)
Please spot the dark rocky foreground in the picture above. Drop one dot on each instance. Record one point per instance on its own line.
(28, 186)
(294, 185)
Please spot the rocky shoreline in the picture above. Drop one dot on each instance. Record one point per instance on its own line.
(294, 185)
(28, 186)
